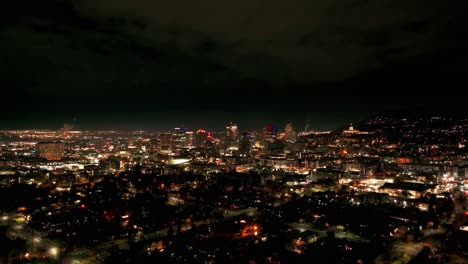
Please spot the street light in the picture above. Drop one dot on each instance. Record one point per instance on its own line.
(53, 251)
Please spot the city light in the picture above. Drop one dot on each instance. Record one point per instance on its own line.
(54, 251)
(301, 191)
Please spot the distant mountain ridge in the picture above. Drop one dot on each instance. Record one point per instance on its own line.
(447, 109)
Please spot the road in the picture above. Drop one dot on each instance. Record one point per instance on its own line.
(323, 233)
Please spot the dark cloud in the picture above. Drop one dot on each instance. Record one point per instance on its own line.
(306, 41)
(214, 60)
(280, 42)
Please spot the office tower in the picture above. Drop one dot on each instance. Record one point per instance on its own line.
(231, 140)
(200, 138)
(165, 143)
(181, 140)
(231, 132)
(245, 143)
(271, 142)
(269, 133)
(289, 132)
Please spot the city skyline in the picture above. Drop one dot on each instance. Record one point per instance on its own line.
(260, 131)
(329, 114)
(366, 194)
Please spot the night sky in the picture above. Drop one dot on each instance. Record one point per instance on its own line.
(150, 64)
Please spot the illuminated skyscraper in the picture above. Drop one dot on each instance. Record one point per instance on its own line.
(269, 133)
(245, 143)
(189, 140)
(50, 150)
(289, 132)
(231, 140)
(165, 143)
(181, 140)
(270, 141)
(231, 132)
(200, 138)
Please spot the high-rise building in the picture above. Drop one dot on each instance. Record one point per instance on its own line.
(231, 140)
(200, 138)
(189, 139)
(231, 132)
(181, 139)
(270, 140)
(165, 143)
(269, 133)
(245, 144)
(289, 132)
(50, 150)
